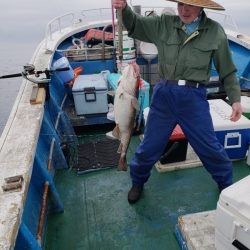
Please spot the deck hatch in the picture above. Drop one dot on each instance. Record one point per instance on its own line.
(97, 155)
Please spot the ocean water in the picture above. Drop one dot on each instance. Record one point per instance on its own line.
(23, 23)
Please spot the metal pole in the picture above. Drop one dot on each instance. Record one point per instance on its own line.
(42, 213)
(113, 21)
(119, 17)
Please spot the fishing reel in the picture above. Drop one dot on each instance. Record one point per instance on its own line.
(29, 71)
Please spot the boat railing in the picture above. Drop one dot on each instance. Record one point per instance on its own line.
(85, 53)
(84, 17)
(225, 20)
(58, 24)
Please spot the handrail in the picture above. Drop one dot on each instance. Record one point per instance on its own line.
(82, 18)
(86, 16)
(103, 38)
(225, 21)
(56, 22)
(86, 13)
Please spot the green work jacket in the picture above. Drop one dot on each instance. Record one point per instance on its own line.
(186, 57)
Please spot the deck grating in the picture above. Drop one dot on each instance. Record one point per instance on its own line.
(97, 155)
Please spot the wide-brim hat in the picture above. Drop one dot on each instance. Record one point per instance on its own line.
(209, 4)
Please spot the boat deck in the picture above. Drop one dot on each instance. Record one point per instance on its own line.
(98, 216)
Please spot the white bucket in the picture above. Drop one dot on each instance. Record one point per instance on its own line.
(127, 44)
(128, 50)
(127, 55)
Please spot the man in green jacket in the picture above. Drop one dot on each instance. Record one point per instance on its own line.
(187, 45)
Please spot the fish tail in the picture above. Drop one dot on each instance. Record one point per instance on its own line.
(122, 165)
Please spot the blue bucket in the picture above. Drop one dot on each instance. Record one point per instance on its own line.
(64, 76)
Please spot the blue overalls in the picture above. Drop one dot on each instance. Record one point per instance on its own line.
(188, 107)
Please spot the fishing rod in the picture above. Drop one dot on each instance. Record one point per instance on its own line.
(29, 70)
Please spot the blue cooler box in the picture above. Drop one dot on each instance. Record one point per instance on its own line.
(234, 136)
(113, 79)
(90, 94)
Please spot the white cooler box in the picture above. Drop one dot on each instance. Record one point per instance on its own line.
(232, 220)
(234, 136)
(90, 94)
(245, 103)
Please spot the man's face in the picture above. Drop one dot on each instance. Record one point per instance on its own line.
(188, 13)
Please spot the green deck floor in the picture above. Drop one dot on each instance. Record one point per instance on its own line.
(98, 216)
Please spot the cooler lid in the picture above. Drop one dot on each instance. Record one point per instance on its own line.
(98, 81)
(245, 103)
(237, 198)
(221, 112)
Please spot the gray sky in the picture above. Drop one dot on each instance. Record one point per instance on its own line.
(22, 23)
(29, 17)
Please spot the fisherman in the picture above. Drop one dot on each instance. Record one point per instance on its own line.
(187, 45)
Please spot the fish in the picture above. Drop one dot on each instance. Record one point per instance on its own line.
(126, 106)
